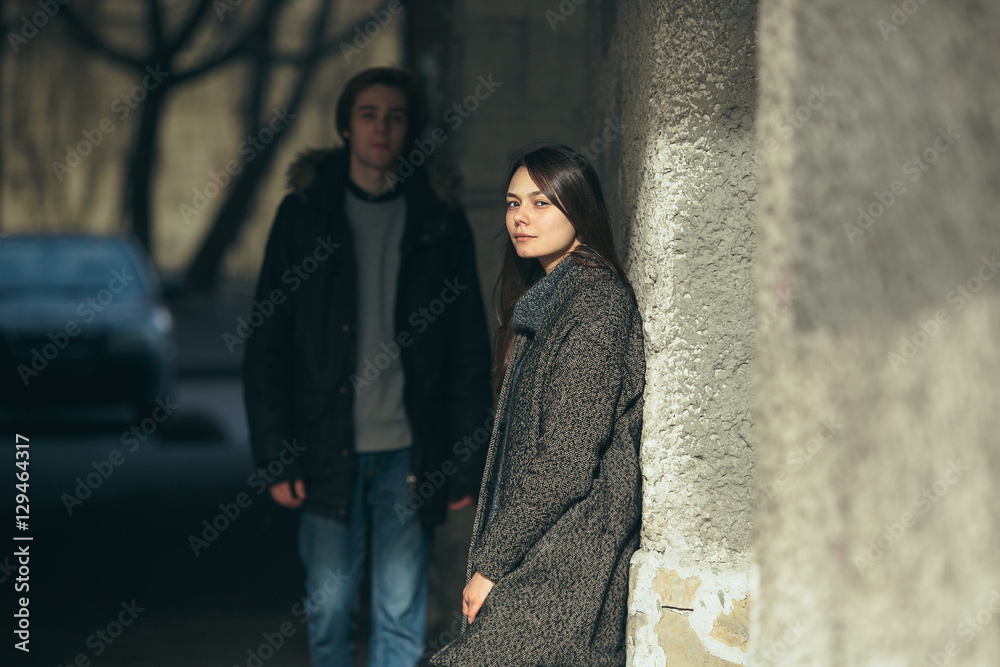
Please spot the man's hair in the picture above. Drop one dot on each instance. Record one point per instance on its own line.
(416, 110)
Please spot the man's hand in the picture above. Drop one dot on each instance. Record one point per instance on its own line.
(282, 492)
(475, 592)
(461, 503)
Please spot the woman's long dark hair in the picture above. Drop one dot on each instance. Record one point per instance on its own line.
(570, 182)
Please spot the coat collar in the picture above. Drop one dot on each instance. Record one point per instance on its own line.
(321, 175)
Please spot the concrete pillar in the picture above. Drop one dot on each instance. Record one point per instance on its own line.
(876, 535)
(679, 77)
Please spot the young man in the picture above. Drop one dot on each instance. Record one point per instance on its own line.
(366, 381)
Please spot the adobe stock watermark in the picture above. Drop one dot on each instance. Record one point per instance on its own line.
(364, 34)
(900, 14)
(565, 9)
(913, 168)
(7, 570)
(250, 147)
(922, 503)
(448, 636)
(293, 277)
(259, 481)
(31, 26)
(462, 449)
(797, 118)
(926, 329)
(133, 438)
(87, 309)
(611, 131)
(455, 115)
(967, 629)
(122, 106)
(785, 299)
(103, 638)
(420, 319)
(274, 641)
(798, 457)
(779, 648)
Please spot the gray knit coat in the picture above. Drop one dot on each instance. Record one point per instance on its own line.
(568, 503)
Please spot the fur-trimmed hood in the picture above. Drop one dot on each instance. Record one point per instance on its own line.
(302, 172)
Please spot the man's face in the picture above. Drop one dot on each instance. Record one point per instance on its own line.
(378, 127)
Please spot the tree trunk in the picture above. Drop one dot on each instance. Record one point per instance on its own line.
(142, 165)
(203, 274)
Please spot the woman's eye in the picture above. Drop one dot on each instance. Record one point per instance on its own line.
(541, 203)
(511, 204)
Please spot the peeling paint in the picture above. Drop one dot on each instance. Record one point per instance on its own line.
(698, 609)
(682, 644)
(675, 591)
(733, 629)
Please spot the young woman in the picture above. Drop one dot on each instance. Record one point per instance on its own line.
(559, 506)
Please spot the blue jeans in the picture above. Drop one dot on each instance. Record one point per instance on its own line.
(334, 555)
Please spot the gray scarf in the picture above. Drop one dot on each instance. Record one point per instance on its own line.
(534, 304)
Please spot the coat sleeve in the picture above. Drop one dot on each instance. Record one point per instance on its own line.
(267, 363)
(471, 395)
(576, 420)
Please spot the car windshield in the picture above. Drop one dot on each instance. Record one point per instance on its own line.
(68, 265)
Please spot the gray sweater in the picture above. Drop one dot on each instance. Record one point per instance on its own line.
(380, 422)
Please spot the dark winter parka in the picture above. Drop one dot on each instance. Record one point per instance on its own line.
(300, 363)
(569, 494)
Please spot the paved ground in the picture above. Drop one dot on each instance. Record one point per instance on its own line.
(124, 551)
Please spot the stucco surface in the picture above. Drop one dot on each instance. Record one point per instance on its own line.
(685, 194)
(680, 77)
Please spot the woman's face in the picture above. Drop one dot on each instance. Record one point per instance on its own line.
(536, 226)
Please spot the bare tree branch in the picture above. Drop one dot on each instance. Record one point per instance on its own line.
(321, 49)
(241, 44)
(203, 271)
(186, 30)
(156, 25)
(89, 38)
(233, 52)
(299, 59)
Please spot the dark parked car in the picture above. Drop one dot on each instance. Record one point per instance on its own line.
(82, 322)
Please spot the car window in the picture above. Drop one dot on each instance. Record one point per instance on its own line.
(78, 265)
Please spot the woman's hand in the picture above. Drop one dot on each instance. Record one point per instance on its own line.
(461, 503)
(475, 592)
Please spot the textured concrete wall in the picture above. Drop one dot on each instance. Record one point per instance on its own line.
(680, 78)
(876, 535)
